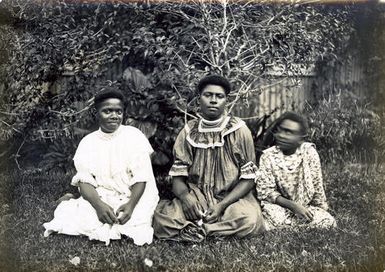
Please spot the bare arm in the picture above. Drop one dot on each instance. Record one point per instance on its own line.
(104, 211)
(190, 205)
(240, 190)
(179, 186)
(294, 207)
(136, 192)
(127, 209)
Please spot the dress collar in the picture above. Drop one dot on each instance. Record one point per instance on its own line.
(289, 162)
(108, 136)
(210, 137)
(213, 126)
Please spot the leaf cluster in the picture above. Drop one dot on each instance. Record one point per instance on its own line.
(343, 126)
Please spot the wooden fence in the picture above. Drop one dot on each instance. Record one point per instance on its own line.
(276, 96)
(280, 94)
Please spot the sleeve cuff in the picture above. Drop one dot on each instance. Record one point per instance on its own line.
(248, 171)
(140, 170)
(83, 177)
(324, 206)
(178, 170)
(139, 179)
(273, 197)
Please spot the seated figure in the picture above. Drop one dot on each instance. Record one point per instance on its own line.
(115, 180)
(289, 181)
(212, 175)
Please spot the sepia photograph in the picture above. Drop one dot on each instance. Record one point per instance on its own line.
(192, 135)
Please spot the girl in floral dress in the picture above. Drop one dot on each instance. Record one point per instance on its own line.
(289, 182)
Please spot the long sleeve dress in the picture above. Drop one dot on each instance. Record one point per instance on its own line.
(112, 163)
(297, 177)
(213, 158)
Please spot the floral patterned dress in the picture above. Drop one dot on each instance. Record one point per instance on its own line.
(297, 177)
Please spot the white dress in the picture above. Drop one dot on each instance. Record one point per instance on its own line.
(112, 163)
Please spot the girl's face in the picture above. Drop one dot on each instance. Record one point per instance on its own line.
(212, 102)
(288, 136)
(110, 114)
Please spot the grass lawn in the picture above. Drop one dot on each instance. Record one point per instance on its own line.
(356, 194)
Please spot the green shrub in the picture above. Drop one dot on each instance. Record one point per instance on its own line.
(343, 126)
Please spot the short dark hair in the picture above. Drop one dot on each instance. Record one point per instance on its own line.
(268, 139)
(293, 116)
(214, 80)
(107, 92)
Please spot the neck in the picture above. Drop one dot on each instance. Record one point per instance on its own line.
(213, 122)
(292, 150)
(289, 152)
(109, 132)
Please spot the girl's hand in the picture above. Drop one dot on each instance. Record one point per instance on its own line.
(124, 212)
(105, 213)
(302, 212)
(213, 213)
(191, 207)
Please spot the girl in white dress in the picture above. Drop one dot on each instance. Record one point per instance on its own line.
(115, 180)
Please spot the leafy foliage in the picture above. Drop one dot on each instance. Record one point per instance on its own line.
(343, 126)
(165, 47)
(347, 126)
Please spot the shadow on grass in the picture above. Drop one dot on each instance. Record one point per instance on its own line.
(356, 195)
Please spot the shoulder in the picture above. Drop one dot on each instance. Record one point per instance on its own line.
(309, 152)
(238, 126)
(269, 155)
(243, 128)
(138, 141)
(237, 122)
(190, 125)
(309, 148)
(192, 122)
(271, 150)
(89, 137)
(87, 143)
(134, 136)
(132, 131)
